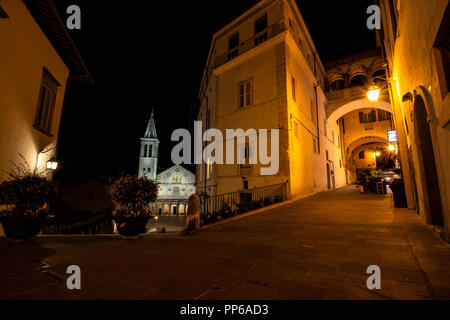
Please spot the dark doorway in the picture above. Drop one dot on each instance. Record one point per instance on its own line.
(427, 163)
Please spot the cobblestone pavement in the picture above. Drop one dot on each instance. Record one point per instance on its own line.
(315, 248)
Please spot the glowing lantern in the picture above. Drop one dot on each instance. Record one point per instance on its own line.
(374, 93)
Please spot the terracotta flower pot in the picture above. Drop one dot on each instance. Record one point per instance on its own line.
(131, 226)
(22, 229)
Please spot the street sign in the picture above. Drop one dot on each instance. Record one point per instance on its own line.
(392, 136)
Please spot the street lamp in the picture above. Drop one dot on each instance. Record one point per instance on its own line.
(52, 164)
(374, 93)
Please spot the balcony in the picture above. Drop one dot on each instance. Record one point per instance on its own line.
(261, 37)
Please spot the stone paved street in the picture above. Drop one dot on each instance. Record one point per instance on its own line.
(315, 248)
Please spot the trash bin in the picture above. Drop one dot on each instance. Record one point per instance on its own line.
(398, 190)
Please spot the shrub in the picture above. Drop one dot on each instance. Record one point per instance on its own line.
(257, 204)
(267, 201)
(131, 196)
(277, 199)
(243, 208)
(225, 211)
(27, 193)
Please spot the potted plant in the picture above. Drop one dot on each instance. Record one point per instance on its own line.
(24, 199)
(131, 197)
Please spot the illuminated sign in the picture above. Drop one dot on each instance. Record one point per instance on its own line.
(392, 136)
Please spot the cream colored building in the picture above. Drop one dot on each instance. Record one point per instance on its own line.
(415, 36)
(37, 58)
(263, 72)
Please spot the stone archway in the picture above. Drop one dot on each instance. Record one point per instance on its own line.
(336, 111)
(365, 140)
(427, 163)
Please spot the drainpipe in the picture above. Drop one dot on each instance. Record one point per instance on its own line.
(206, 128)
(317, 106)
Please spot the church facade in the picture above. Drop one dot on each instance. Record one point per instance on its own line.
(176, 184)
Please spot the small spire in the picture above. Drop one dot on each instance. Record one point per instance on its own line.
(151, 128)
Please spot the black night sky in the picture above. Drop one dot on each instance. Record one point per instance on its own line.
(146, 56)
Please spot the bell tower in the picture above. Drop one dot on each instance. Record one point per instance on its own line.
(148, 158)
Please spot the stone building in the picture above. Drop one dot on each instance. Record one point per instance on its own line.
(38, 61)
(263, 72)
(416, 37)
(176, 184)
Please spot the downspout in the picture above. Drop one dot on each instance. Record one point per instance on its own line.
(206, 127)
(317, 105)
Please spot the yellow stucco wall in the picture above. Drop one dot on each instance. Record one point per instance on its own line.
(413, 69)
(24, 51)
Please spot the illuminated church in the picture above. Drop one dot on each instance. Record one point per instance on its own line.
(176, 184)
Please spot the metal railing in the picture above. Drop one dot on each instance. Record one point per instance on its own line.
(225, 205)
(268, 33)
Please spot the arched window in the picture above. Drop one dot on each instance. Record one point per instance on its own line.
(150, 151)
(176, 179)
(145, 151)
(358, 80)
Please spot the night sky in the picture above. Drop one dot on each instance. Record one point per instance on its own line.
(145, 56)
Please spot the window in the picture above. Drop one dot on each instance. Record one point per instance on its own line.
(233, 42)
(327, 155)
(245, 94)
(361, 155)
(366, 117)
(233, 46)
(46, 102)
(261, 30)
(383, 115)
(261, 24)
(150, 150)
(176, 179)
(293, 87)
(3, 14)
(145, 151)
